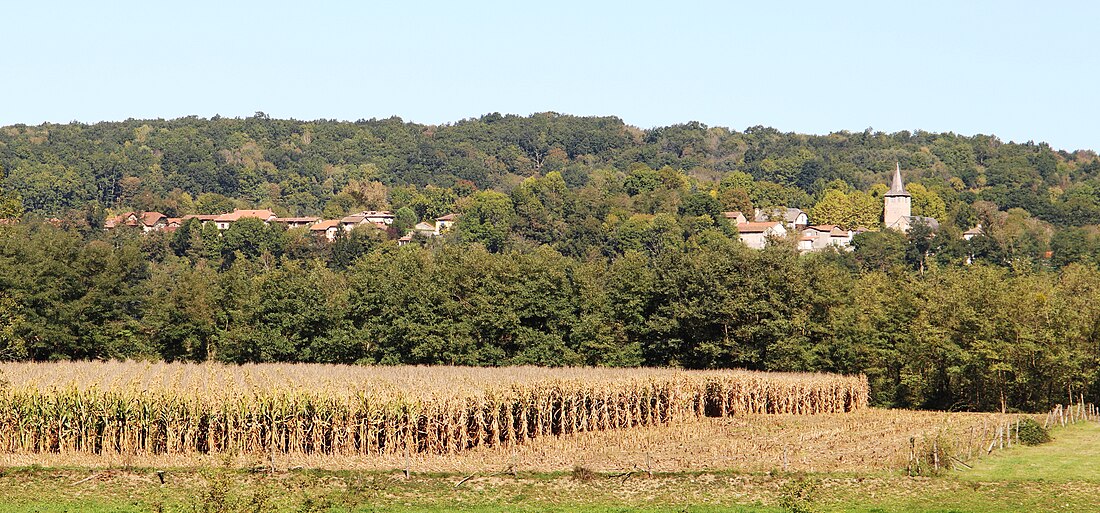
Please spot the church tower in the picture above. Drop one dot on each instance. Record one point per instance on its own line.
(898, 204)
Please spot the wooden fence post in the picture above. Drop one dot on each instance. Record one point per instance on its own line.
(935, 456)
(912, 455)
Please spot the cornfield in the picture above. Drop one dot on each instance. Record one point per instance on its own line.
(147, 408)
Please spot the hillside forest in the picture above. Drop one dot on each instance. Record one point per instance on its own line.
(580, 241)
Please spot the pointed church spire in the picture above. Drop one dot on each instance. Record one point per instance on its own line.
(897, 186)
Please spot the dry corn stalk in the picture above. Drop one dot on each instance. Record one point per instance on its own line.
(142, 408)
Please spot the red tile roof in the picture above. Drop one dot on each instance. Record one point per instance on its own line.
(238, 214)
(152, 218)
(133, 218)
(757, 227)
(325, 225)
(202, 217)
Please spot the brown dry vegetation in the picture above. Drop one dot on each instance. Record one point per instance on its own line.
(866, 440)
(870, 440)
(127, 410)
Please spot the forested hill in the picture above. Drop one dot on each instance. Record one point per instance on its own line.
(192, 165)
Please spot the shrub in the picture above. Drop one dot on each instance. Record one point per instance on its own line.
(1033, 433)
(797, 496)
(583, 474)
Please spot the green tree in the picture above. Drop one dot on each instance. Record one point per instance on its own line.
(11, 205)
(701, 204)
(213, 203)
(487, 220)
(921, 241)
(249, 237)
(12, 346)
(736, 200)
(882, 251)
(349, 247)
(853, 209)
(640, 178)
(184, 238)
(926, 203)
(404, 219)
(183, 314)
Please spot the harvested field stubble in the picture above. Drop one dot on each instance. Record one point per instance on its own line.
(868, 440)
(128, 408)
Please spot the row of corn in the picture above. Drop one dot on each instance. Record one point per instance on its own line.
(385, 421)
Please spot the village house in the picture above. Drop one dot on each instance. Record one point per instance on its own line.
(327, 229)
(973, 232)
(147, 221)
(225, 220)
(756, 234)
(378, 219)
(296, 222)
(815, 232)
(806, 242)
(426, 229)
(827, 235)
(840, 238)
(735, 217)
(795, 219)
(444, 223)
(202, 218)
(351, 222)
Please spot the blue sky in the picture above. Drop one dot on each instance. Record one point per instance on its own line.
(1022, 71)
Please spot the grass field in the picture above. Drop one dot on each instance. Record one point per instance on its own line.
(1074, 458)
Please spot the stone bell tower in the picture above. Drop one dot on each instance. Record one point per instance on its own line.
(898, 204)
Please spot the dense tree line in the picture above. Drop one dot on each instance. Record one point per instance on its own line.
(582, 241)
